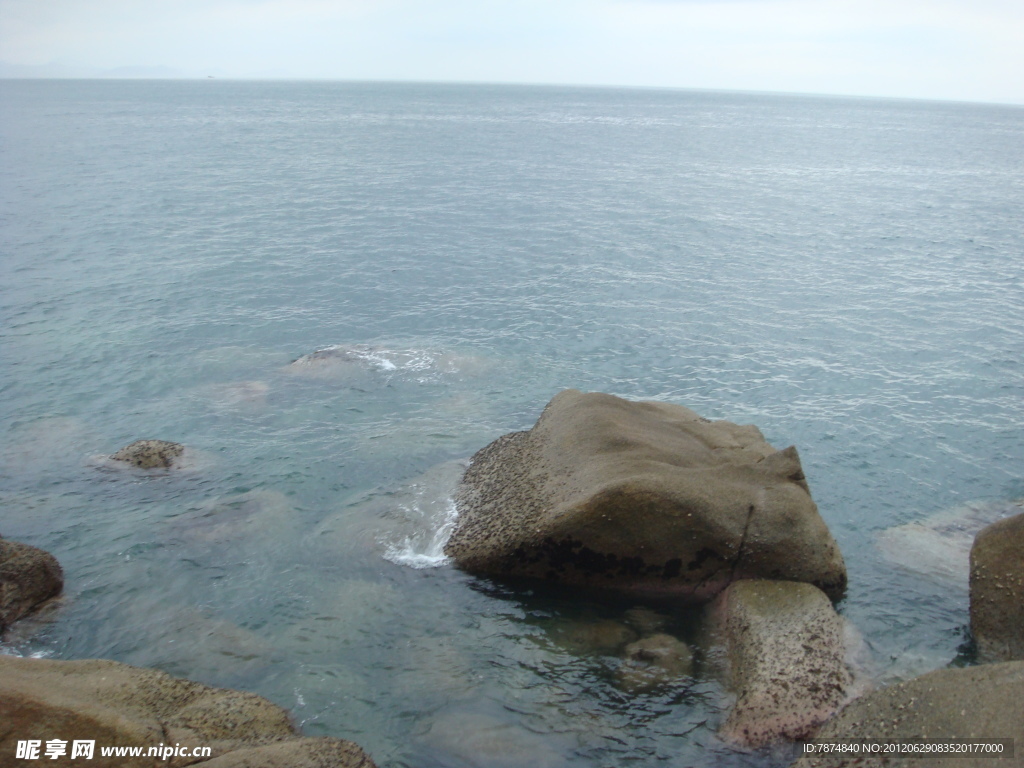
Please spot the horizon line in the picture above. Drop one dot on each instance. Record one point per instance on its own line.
(180, 77)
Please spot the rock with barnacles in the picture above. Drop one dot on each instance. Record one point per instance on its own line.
(997, 591)
(973, 704)
(785, 660)
(150, 454)
(641, 496)
(115, 705)
(28, 577)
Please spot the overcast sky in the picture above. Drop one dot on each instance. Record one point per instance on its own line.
(935, 49)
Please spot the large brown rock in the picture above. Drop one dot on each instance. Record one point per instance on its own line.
(984, 702)
(997, 590)
(644, 496)
(786, 660)
(117, 705)
(28, 576)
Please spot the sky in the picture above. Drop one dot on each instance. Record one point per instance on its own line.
(962, 50)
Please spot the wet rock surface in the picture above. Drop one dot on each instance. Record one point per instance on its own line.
(643, 496)
(117, 705)
(150, 454)
(983, 702)
(28, 577)
(997, 591)
(785, 659)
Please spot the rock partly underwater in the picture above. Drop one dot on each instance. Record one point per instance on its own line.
(997, 590)
(28, 577)
(642, 496)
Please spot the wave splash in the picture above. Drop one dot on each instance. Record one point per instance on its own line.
(425, 550)
(425, 518)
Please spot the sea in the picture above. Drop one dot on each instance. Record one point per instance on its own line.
(333, 294)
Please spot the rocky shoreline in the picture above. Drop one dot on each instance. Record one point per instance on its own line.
(651, 498)
(643, 498)
(116, 705)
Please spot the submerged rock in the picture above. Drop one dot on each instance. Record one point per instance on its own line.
(118, 705)
(474, 739)
(591, 636)
(238, 393)
(150, 454)
(339, 353)
(984, 702)
(28, 577)
(353, 362)
(997, 591)
(44, 444)
(642, 496)
(645, 620)
(205, 647)
(786, 660)
(260, 515)
(655, 660)
(938, 546)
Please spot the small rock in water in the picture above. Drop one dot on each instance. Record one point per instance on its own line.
(150, 454)
(654, 661)
(28, 577)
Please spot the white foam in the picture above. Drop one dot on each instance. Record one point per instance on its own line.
(425, 548)
(10, 651)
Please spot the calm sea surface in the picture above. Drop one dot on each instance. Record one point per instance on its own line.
(846, 274)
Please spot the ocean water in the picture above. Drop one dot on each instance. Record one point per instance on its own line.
(334, 294)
